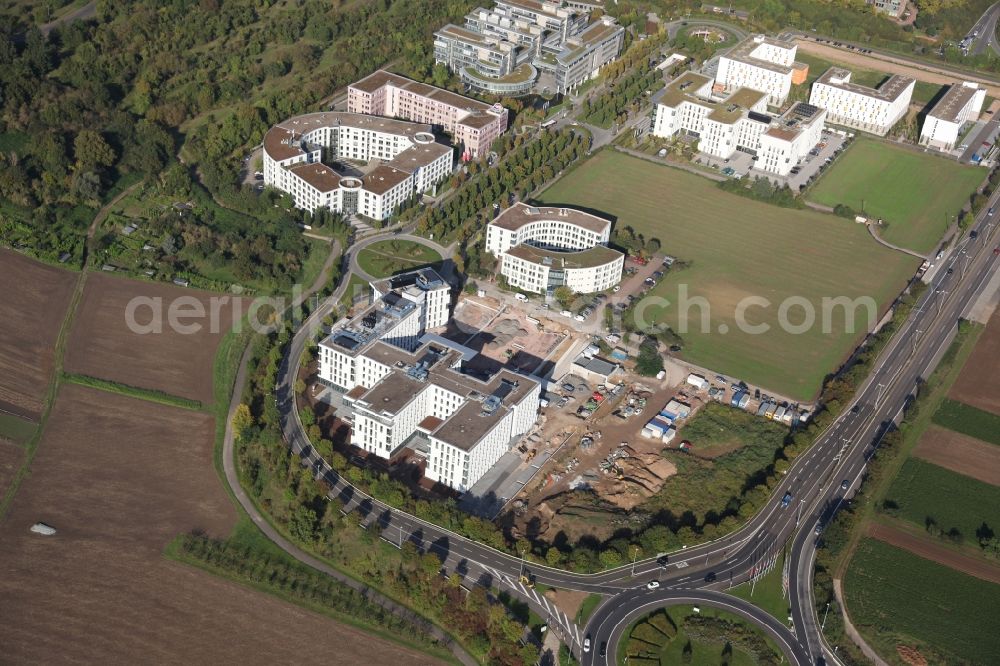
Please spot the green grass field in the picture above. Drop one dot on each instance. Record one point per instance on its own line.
(767, 592)
(968, 420)
(916, 194)
(896, 597)
(16, 428)
(738, 248)
(389, 257)
(923, 490)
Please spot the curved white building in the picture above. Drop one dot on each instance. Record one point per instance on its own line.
(296, 153)
(542, 248)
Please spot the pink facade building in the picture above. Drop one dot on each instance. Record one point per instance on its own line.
(474, 125)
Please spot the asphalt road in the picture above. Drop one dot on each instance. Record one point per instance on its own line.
(986, 31)
(813, 480)
(612, 619)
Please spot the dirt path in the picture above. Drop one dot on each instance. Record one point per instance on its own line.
(880, 241)
(887, 63)
(102, 214)
(930, 550)
(960, 453)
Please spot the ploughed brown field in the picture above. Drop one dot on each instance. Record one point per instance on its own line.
(32, 307)
(102, 344)
(960, 453)
(928, 548)
(119, 478)
(979, 383)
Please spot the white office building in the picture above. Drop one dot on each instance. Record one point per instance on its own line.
(872, 110)
(961, 104)
(790, 138)
(297, 152)
(410, 389)
(541, 248)
(764, 64)
(502, 49)
(738, 122)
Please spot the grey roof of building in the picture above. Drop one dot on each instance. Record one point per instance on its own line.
(889, 90)
(952, 102)
(597, 365)
(598, 255)
(521, 214)
(470, 422)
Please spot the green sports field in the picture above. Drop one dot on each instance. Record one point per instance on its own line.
(916, 194)
(894, 596)
(739, 248)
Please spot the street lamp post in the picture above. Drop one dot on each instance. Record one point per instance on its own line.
(941, 300)
(825, 613)
(635, 554)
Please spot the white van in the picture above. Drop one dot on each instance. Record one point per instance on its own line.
(520, 297)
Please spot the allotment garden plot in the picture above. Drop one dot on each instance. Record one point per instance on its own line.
(737, 248)
(917, 194)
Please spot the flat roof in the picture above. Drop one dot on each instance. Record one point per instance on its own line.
(736, 105)
(472, 420)
(682, 89)
(889, 90)
(283, 140)
(383, 178)
(392, 393)
(530, 5)
(598, 255)
(380, 78)
(317, 174)
(741, 53)
(521, 214)
(466, 35)
(419, 155)
(951, 104)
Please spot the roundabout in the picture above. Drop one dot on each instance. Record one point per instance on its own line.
(612, 619)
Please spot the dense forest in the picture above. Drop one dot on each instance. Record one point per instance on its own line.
(96, 105)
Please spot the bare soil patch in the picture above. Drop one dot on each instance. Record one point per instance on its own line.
(119, 478)
(889, 65)
(34, 302)
(927, 548)
(979, 383)
(102, 344)
(960, 453)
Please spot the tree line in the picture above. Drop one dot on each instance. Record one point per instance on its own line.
(525, 164)
(299, 505)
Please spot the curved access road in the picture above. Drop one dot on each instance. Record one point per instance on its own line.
(611, 620)
(813, 481)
